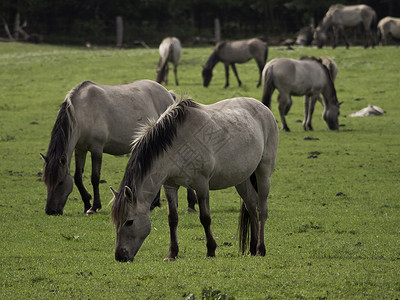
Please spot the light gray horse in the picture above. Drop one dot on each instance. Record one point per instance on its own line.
(340, 16)
(231, 52)
(170, 51)
(308, 77)
(205, 147)
(388, 27)
(96, 118)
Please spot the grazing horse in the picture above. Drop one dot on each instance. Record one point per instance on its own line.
(231, 52)
(309, 77)
(170, 51)
(388, 26)
(205, 147)
(339, 16)
(96, 118)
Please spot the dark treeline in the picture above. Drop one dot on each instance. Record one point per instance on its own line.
(94, 21)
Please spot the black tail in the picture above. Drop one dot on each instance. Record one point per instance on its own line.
(244, 221)
(266, 54)
(269, 87)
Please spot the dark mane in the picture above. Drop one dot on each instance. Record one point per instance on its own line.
(152, 141)
(327, 72)
(60, 138)
(212, 60)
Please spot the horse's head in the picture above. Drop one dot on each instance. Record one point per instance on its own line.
(59, 184)
(132, 225)
(207, 75)
(331, 116)
(319, 37)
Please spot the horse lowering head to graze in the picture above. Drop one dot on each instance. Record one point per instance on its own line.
(178, 150)
(339, 16)
(305, 36)
(96, 118)
(388, 27)
(232, 52)
(170, 51)
(308, 77)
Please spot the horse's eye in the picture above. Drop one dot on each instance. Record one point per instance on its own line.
(129, 223)
(61, 183)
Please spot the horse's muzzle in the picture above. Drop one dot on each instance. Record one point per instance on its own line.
(122, 255)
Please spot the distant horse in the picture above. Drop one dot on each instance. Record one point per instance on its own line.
(231, 52)
(309, 77)
(170, 51)
(96, 118)
(388, 27)
(205, 147)
(305, 36)
(339, 16)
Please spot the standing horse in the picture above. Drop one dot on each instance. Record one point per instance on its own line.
(205, 147)
(309, 77)
(388, 26)
(339, 16)
(170, 51)
(231, 52)
(96, 118)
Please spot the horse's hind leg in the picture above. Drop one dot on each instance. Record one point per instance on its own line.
(176, 74)
(205, 219)
(172, 197)
(96, 169)
(192, 200)
(236, 74)
(249, 195)
(263, 174)
(285, 102)
(80, 159)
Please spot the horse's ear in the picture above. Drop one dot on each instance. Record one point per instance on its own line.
(63, 160)
(115, 193)
(44, 157)
(340, 103)
(129, 194)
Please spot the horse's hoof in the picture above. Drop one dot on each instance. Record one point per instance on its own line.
(170, 259)
(191, 210)
(91, 211)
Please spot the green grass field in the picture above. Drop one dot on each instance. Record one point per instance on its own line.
(334, 225)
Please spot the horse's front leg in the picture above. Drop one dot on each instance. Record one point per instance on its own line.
(226, 76)
(306, 109)
(205, 219)
(172, 197)
(236, 73)
(80, 159)
(97, 157)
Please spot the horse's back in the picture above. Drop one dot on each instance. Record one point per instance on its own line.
(108, 115)
(231, 134)
(296, 77)
(170, 45)
(240, 51)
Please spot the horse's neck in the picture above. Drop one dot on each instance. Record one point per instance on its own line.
(329, 94)
(326, 23)
(212, 60)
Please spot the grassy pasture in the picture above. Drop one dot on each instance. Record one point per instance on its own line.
(334, 225)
